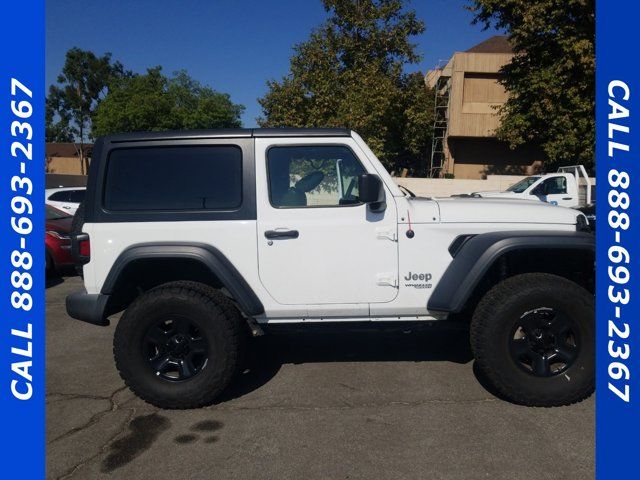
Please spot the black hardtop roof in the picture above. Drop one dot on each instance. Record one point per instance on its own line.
(228, 133)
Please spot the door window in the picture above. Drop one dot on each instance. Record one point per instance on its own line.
(555, 185)
(313, 176)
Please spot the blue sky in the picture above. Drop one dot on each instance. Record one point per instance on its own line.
(233, 46)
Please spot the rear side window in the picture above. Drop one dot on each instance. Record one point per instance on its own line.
(62, 196)
(76, 196)
(174, 178)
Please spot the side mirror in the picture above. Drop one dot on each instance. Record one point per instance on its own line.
(371, 192)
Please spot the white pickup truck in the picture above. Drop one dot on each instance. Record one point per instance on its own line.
(568, 187)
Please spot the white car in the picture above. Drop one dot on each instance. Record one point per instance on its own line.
(67, 199)
(203, 237)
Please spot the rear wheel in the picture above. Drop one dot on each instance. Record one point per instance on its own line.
(533, 337)
(178, 345)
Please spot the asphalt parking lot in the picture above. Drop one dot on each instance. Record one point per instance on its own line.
(308, 406)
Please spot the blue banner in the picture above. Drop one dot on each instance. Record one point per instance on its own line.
(22, 330)
(617, 292)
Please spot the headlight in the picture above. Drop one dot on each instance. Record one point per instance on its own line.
(58, 235)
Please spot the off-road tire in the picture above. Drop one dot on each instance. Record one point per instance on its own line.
(217, 319)
(492, 324)
(230, 310)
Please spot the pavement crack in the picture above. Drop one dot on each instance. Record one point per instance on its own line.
(349, 406)
(349, 387)
(74, 396)
(104, 447)
(95, 418)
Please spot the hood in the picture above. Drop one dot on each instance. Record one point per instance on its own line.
(502, 210)
(488, 210)
(498, 194)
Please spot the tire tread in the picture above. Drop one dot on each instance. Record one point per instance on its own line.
(224, 316)
(481, 344)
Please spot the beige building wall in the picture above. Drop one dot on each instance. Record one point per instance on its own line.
(64, 158)
(444, 187)
(475, 95)
(63, 165)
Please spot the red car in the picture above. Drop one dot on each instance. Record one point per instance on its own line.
(56, 240)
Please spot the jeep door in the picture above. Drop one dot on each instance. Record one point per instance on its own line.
(317, 243)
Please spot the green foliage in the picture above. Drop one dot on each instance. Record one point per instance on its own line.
(552, 77)
(154, 102)
(82, 84)
(60, 130)
(349, 73)
(96, 96)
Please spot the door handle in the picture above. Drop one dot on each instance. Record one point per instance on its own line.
(281, 234)
(567, 198)
(66, 207)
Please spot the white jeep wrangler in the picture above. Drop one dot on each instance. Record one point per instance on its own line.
(201, 237)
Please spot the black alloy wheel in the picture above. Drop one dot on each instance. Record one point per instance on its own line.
(533, 338)
(544, 342)
(175, 349)
(178, 345)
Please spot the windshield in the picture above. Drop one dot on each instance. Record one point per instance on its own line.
(54, 214)
(522, 185)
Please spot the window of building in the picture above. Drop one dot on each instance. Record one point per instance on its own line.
(313, 176)
(189, 178)
(483, 88)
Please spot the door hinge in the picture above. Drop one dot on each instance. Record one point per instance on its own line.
(388, 234)
(387, 279)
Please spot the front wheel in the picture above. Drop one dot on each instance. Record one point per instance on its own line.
(533, 337)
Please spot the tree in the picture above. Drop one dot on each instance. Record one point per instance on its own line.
(153, 102)
(350, 73)
(551, 79)
(82, 84)
(60, 130)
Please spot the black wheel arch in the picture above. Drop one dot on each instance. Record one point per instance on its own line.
(485, 259)
(144, 266)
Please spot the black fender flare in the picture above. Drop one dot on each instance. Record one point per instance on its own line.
(477, 254)
(207, 255)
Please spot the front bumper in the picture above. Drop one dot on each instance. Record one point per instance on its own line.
(88, 307)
